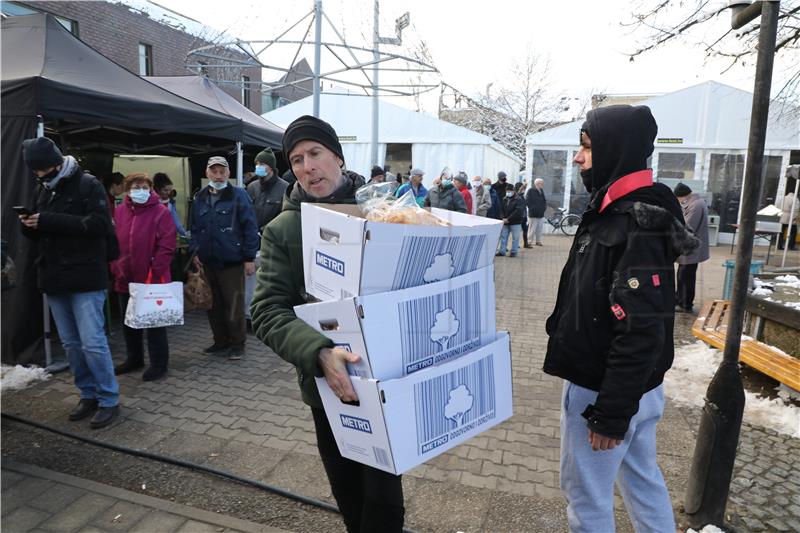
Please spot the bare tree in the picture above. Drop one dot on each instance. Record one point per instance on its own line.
(706, 23)
(523, 103)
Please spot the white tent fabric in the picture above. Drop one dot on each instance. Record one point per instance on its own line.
(705, 116)
(435, 143)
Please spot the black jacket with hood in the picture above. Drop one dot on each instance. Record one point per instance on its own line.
(611, 329)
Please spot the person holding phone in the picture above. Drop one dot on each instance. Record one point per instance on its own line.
(70, 224)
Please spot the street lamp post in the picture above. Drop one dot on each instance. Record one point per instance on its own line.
(721, 420)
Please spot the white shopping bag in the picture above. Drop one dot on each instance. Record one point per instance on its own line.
(154, 305)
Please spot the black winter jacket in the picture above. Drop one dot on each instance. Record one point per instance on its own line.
(611, 329)
(536, 202)
(446, 198)
(514, 209)
(71, 236)
(267, 199)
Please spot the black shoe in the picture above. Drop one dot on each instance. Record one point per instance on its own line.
(539, 244)
(512, 254)
(104, 416)
(153, 373)
(86, 407)
(216, 348)
(528, 246)
(498, 254)
(129, 365)
(234, 354)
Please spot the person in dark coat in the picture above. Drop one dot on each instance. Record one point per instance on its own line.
(225, 238)
(695, 212)
(611, 328)
(496, 210)
(513, 214)
(444, 195)
(70, 223)
(499, 186)
(519, 190)
(537, 205)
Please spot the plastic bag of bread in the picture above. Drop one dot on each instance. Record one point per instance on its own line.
(379, 205)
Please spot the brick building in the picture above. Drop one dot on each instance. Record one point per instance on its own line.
(148, 40)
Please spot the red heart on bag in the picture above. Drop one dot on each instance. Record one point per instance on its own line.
(159, 302)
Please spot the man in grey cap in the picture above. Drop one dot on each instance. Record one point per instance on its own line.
(225, 239)
(414, 184)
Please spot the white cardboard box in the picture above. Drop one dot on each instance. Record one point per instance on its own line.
(400, 332)
(345, 255)
(401, 423)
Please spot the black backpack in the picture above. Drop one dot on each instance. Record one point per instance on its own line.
(112, 244)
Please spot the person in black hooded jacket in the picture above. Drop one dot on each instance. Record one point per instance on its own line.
(611, 329)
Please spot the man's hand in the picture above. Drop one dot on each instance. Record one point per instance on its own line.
(197, 263)
(249, 268)
(505, 221)
(31, 221)
(333, 363)
(600, 442)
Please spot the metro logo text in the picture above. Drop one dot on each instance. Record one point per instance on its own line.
(330, 263)
(352, 422)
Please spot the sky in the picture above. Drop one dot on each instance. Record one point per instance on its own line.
(473, 46)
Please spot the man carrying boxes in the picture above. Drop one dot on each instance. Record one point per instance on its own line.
(369, 499)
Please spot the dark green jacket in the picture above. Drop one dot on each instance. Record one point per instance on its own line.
(280, 287)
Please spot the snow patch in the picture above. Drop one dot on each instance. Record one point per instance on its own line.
(762, 291)
(692, 370)
(21, 377)
(707, 529)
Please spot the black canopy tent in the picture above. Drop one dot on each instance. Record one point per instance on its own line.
(86, 102)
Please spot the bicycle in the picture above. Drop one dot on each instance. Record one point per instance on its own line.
(567, 223)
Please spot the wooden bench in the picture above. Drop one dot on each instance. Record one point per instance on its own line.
(710, 327)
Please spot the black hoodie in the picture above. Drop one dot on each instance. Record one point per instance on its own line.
(611, 329)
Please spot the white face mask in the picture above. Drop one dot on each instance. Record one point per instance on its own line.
(218, 185)
(476, 184)
(139, 196)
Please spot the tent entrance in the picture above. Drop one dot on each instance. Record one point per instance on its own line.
(398, 157)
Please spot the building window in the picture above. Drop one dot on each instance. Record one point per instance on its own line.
(246, 91)
(725, 174)
(145, 60)
(772, 175)
(676, 166)
(13, 9)
(551, 166)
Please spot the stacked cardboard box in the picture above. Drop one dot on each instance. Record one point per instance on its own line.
(417, 303)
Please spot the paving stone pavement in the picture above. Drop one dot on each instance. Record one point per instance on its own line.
(37, 499)
(247, 417)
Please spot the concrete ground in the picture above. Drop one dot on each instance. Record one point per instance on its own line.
(246, 417)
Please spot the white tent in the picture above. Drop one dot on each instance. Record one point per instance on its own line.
(434, 144)
(702, 140)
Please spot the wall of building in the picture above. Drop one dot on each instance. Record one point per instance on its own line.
(116, 31)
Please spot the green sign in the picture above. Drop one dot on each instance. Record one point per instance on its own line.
(670, 140)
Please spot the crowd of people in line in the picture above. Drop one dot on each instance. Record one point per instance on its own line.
(610, 333)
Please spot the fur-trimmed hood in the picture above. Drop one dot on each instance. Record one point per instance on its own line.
(652, 217)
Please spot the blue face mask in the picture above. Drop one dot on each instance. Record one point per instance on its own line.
(139, 196)
(509, 194)
(487, 187)
(217, 185)
(261, 171)
(447, 183)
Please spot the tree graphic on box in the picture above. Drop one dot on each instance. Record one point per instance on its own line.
(445, 327)
(459, 403)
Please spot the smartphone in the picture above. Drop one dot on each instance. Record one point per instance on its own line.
(22, 210)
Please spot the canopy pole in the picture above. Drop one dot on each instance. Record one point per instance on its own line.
(317, 52)
(376, 56)
(792, 211)
(239, 164)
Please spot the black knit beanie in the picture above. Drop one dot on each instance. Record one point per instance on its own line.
(308, 128)
(41, 153)
(376, 171)
(267, 157)
(682, 190)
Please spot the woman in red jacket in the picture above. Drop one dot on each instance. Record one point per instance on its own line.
(146, 235)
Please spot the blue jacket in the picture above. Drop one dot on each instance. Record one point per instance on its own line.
(419, 194)
(176, 218)
(496, 211)
(226, 233)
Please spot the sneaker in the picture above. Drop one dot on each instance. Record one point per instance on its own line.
(216, 348)
(86, 407)
(512, 254)
(129, 365)
(529, 246)
(153, 373)
(539, 244)
(235, 354)
(498, 254)
(104, 416)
